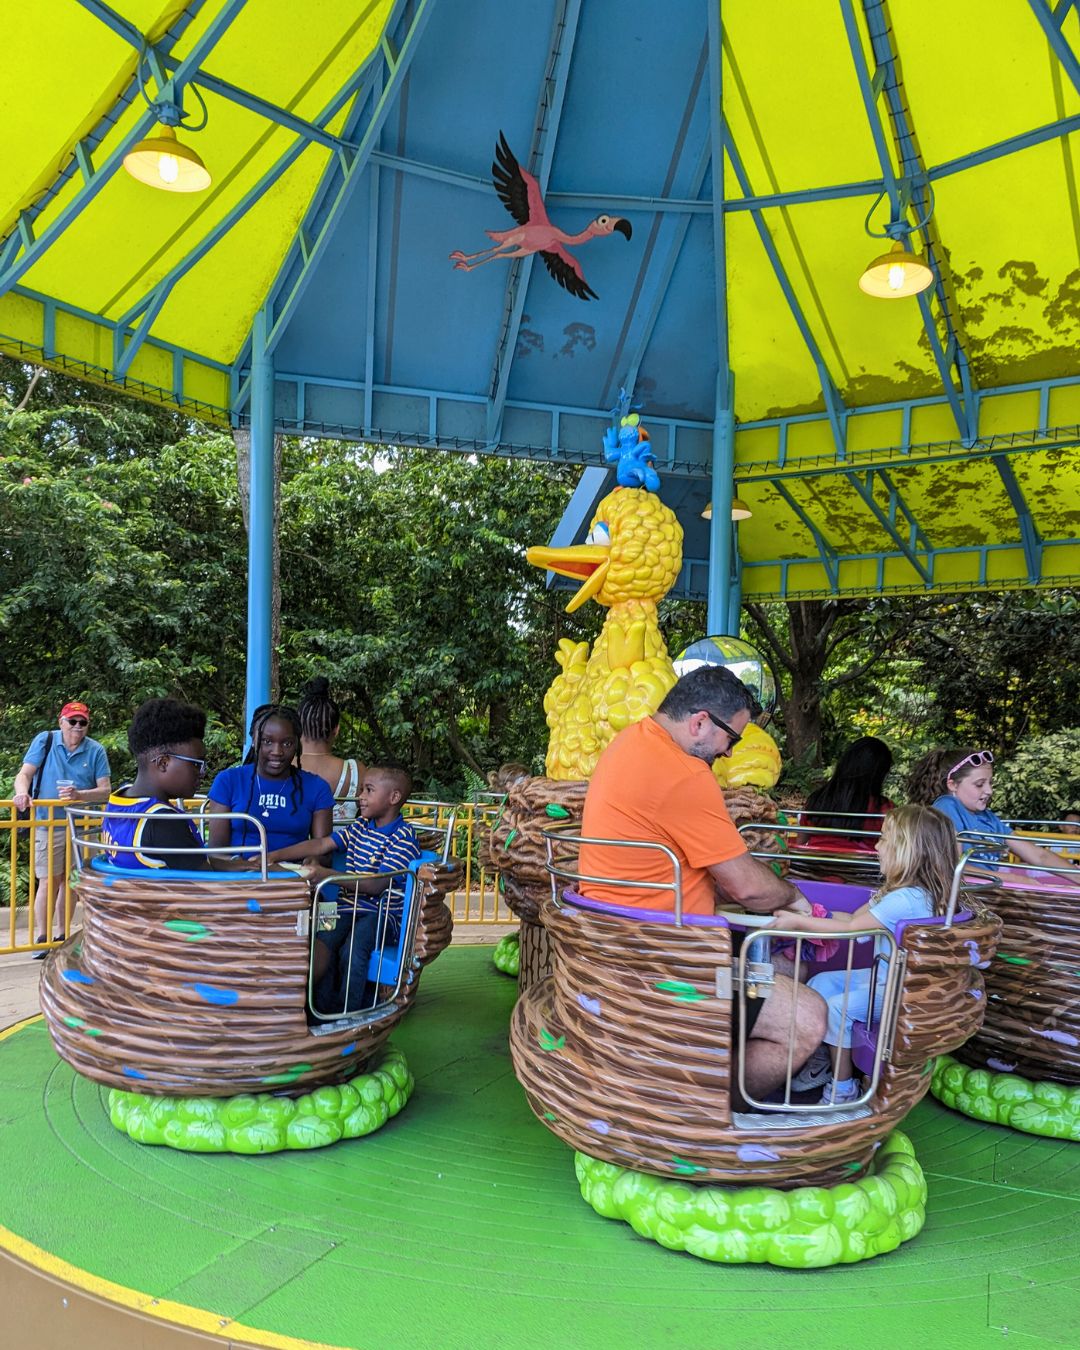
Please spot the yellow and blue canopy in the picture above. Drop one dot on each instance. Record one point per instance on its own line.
(923, 443)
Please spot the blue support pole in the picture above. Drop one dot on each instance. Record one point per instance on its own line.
(260, 519)
(721, 540)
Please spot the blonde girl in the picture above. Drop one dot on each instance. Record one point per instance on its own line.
(918, 853)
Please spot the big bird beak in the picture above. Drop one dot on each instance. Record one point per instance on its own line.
(582, 560)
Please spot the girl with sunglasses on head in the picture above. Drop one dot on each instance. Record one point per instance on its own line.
(959, 783)
(293, 806)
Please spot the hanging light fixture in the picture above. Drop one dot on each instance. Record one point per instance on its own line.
(900, 272)
(896, 274)
(162, 161)
(739, 510)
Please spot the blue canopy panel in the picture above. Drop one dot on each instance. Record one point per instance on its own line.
(501, 357)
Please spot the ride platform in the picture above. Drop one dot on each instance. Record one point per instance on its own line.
(459, 1224)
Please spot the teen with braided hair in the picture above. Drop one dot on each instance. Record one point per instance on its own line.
(295, 807)
(320, 722)
(958, 783)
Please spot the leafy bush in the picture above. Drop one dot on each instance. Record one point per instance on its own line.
(1041, 779)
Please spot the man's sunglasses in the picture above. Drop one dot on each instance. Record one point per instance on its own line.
(719, 722)
(76, 721)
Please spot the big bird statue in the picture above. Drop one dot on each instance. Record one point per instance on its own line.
(629, 562)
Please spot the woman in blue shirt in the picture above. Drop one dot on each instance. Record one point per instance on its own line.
(958, 783)
(294, 807)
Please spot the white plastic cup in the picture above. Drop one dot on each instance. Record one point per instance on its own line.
(64, 786)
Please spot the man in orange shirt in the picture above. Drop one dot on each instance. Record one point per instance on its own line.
(654, 783)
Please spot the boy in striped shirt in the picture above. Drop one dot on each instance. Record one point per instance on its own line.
(369, 910)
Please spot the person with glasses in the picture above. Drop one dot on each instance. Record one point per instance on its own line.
(166, 740)
(654, 783)
(959, 784)
(60, 765)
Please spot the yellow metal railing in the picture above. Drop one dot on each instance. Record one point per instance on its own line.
(28, 913)
(477, 902)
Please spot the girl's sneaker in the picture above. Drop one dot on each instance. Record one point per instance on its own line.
(835, 1093)
(815, 1073)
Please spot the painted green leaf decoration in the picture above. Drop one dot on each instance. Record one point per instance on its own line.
(686, 1168)
(92, 1031)
(509, 839)
(1014, 960)
(192, 931)
(684, 993)
(548, 1041)
(289, 1076)
(548, 1115)
(74, 1022)
(556, 812)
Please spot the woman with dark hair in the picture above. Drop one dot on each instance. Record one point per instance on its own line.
(294, 806)
(852, 799)
(320, 722)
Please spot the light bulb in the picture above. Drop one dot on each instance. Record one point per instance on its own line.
(169, 171)
(896, 276)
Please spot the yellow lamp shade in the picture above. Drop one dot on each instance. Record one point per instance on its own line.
(739, 510)
(163, 162)
(896, 274)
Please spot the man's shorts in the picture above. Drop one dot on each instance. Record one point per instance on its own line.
(46, 843)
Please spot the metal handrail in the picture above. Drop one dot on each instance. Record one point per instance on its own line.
(83, 813)
(406, 937)
(556, 872)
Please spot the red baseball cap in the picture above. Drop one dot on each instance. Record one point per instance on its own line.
(75, 709)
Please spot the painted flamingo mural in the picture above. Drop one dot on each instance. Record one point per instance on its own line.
(519, 192)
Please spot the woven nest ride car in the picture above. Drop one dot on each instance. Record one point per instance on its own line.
(1022, 1067)
(629, 1052)
(187, 994)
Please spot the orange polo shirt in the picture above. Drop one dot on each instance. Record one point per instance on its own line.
(646, 787)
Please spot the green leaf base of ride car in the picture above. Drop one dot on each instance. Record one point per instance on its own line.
(267, 1123)
(807, 1228)
(1048, 1109)
(507, 954)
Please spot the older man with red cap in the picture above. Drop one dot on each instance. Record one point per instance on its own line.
(66, 766)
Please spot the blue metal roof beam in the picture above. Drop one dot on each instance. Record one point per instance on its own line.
(650, 283)
(897, 505)
(1050, 21)
(1029, 534)
(399, 61)
(93, 180)
(541, 158)
(146, 309)
(887, 521)
(242, 97)
(826, 552)
(915, 185)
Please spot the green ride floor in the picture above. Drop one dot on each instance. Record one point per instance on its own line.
(459, 1224)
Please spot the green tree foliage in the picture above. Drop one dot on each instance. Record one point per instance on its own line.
(123, 575)
(1041, 779)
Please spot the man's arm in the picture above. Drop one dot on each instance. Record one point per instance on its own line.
(20, 793)
(100, 793)
(749, 883)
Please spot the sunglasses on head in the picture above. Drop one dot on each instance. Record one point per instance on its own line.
(76, 721)
(979, 757)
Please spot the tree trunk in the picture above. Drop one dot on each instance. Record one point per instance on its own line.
(242, 439)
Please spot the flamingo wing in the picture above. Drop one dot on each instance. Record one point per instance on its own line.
(566, 270)
(518, 190)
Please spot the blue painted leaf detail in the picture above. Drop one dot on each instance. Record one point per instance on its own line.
(755, 1153)
(223, 998)
(254, 906)
(591, 1005)
(77, 977)
(131, 1073)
